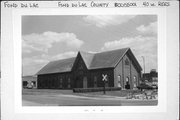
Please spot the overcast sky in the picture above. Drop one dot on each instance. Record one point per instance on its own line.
(47, 38)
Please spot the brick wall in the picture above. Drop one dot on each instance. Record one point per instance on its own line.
(125, 71)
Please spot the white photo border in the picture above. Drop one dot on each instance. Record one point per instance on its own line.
(168, 68)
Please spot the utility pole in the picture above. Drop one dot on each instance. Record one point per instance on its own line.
(143, 63)
(104, 87)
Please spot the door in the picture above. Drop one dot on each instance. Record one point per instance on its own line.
(84, 82)
(127, 86)
(77, 82)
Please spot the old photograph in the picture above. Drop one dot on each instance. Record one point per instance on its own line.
(89, 60)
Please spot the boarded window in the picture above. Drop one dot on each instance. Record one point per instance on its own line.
(95, 81)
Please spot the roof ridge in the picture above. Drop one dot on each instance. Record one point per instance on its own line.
(113, 50)
(87, 52)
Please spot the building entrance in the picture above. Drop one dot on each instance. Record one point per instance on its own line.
(127, 85)
(78, 82)
(84, 82)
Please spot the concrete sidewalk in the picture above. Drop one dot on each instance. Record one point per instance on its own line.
(104, 97)
(25, 103)
(100, 96)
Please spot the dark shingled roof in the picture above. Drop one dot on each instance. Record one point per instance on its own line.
(108, 59)
(29, 78)
(58, 66)
(87, 57)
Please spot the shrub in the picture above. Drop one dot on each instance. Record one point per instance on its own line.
(144, 86)
(82, 90)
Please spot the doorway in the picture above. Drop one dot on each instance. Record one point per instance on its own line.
(127, 85)
(84, 82)
(77, 82)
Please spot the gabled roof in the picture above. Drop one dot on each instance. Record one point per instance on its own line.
(108, 59)
(87, 57)
(58, 66)
(29, 78)
(134, 60)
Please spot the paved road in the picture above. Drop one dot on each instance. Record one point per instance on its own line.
(74, 100)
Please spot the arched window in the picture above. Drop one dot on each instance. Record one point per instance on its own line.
(127, 79)
(126, 62)
(135, 81)
(119, 80)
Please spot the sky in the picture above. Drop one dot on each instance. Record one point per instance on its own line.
(48, 38)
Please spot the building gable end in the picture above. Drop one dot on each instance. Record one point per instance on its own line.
(79, 63)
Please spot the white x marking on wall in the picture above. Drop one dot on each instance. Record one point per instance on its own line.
(104, 77)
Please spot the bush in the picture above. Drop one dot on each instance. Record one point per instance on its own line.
(144, 86)
(82, 90)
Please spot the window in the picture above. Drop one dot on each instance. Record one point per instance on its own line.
(135, 81)
(127, 86)
(80, 66)
(95, 81)
(69, 80)
(60, 82)
(69, 83)
(127, 79)
(126, 62)
(119, 81)
(49, 82)
(53, 82)
(24, 83)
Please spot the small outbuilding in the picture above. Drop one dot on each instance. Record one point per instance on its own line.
(29, 82)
